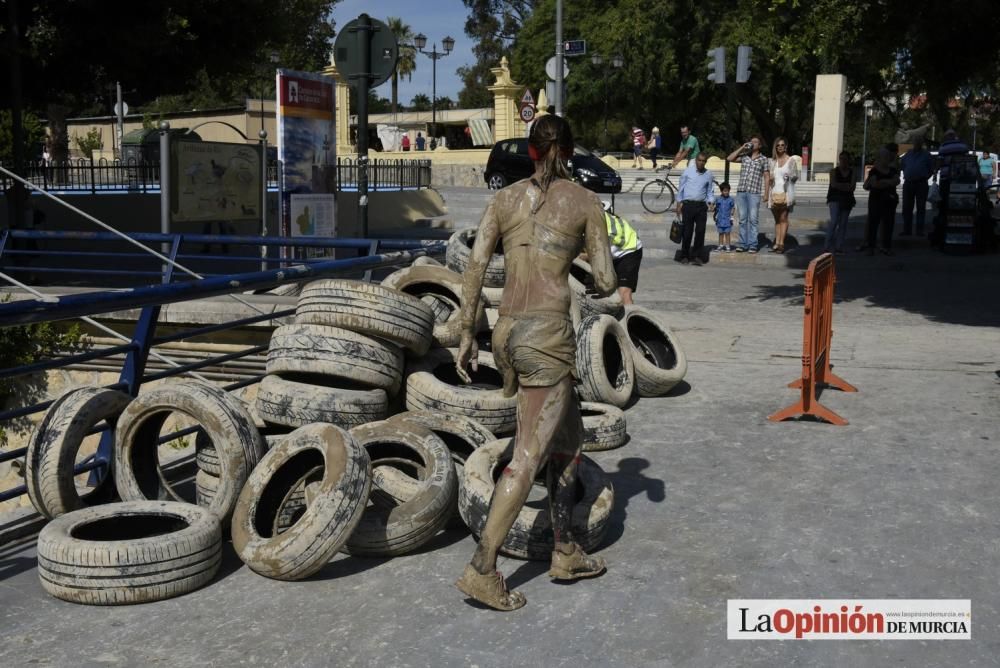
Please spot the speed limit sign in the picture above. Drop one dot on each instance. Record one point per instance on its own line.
(527, 113)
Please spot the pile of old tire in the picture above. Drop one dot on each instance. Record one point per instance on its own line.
(531, 536)
(604, 426)
(432, 384)
(660, 362)
(228, 445)
(343, 357)
(131, 552)
(581, 279)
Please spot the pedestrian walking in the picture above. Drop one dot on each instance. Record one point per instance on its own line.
(918, 167)
(781, 197)
(724, 218)
(638, 142)
(755, 179)
(406, 142)
(987, 168)
(654, 145)
(840, 199)
(543, 222)
(626, 253)
(882, 200)
(694, 198)
(421, 142)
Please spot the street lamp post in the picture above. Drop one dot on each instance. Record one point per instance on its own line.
(864, 145)
(420, 41)
(972, 124)
(616, 63)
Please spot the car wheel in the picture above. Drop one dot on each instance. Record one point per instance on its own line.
(496, 181)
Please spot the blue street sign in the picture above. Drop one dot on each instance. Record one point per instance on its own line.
(575, 47)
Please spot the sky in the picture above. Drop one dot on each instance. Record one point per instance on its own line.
(436, 19)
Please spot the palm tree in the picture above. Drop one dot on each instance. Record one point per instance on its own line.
(407, 55)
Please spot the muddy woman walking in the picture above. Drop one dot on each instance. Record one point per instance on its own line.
(544, 222)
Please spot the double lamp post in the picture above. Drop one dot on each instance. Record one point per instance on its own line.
(420, 41)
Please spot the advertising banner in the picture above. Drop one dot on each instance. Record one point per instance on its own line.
(306, 150)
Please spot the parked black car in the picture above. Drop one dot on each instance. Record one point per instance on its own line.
(509, 162)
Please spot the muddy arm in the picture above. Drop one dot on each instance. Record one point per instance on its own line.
(599, 252)
(472, 280)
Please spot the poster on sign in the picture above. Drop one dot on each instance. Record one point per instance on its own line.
(306, 147)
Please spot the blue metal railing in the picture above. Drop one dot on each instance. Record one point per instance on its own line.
(150, 297)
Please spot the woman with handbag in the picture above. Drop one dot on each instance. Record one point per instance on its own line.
(781, 194)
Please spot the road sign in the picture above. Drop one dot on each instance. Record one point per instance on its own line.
(527, 113)
(384, 50)
(527, 98)
(124, 109)
(575, 47)
(550, 68)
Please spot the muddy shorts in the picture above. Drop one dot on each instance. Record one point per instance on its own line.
(534, 351)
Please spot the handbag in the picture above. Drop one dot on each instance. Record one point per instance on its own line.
(779, 199)
(676, 233)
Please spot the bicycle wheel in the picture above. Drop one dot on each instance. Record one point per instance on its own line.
(657, 196)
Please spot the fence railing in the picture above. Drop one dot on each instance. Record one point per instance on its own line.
(94, 176)
(150, 298)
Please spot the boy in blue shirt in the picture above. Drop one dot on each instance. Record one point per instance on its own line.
(724, 218)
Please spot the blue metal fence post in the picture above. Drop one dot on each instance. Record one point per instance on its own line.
(134, 366)
(372, 250)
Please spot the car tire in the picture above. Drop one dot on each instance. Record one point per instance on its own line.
(293, 404)
(603, 426)
(496, 181)
(440, 282)
(414, 516)
(332, 512)
(131, 552)
(580, 276)
(660, 362)
(225, 421)
(460, 250)
(604, 361)
(531, 535)
(432, 384)
(369, 309)
(55, 441)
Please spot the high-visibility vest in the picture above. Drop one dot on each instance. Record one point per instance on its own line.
(623, 238)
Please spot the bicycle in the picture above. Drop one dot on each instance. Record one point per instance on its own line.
(659, 195)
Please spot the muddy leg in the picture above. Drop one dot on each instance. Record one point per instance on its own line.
(540, 416)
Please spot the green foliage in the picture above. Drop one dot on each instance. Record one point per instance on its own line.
(28, 344)
(34, 134)
(493, 25)
(407, 61)
(90, 142)
(420, 102)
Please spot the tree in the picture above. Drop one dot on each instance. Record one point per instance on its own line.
(420, 102)
(493, 24)
(407, 61)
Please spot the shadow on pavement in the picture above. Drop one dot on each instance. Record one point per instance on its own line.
(629, 481)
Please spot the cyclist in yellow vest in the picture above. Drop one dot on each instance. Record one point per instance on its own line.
(626, 253)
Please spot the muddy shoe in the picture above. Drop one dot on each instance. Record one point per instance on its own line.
(576, 565)
(489, 589)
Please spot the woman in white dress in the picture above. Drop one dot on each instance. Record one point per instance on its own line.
(781, 195)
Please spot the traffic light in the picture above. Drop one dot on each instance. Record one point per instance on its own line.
(743, 54)
(717, 65)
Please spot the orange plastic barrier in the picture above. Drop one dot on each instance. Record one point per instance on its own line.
(817, 334)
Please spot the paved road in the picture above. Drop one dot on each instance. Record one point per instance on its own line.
(713, 502)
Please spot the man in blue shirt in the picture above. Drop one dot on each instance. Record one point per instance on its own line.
(693, 201)
(918, 167)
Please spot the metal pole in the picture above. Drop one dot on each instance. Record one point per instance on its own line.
(605, 147)
(17, 127)
(730, 125)
(120, 113)
(559, 58)
(434, 87)
(263, 192)
(364, 44)
(864, 145)
(165, 186)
